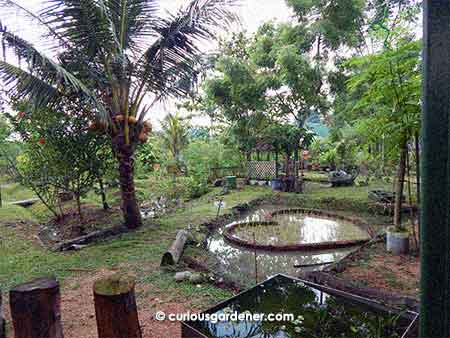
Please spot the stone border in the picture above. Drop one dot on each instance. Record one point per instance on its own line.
(228, 233)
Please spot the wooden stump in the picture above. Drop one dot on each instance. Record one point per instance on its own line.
(35, 309)
(115, 308)
(173, 254)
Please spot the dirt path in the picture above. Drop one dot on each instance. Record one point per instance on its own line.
(78, 314)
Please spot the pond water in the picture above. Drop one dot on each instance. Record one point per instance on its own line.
(238, 264)
(314, 313)
(300, 228)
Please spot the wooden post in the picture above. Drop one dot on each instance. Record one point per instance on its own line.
(115, 308)
(434, 239)
(2, 321)
(35, 309)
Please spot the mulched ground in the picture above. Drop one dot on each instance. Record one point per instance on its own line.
(376, 268)
(93, 218)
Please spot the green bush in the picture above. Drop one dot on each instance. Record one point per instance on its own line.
(200, 156)
(186, 187)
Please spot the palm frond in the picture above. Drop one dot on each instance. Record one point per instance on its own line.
(21, 85)
(48, 70)
(175, 53)
(133, 20)
(45, 70)
(12, 8)
(86, 24)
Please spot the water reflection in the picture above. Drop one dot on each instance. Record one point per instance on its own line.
(299, 228)
(315, 314)
(238, 264)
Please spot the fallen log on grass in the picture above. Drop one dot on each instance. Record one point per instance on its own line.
(173, 254)
(89, 238)
(115, 307)
(35, 309)
(26, 203)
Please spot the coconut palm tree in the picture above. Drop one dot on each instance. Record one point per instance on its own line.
(117, 56)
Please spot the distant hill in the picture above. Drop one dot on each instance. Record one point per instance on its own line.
(315, 124)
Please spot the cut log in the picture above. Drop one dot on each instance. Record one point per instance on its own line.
(173, 255)
(35, 309)
(115, 308)
(2, 321)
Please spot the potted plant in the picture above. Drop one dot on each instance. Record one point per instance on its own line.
(276, 184)
(397, 240)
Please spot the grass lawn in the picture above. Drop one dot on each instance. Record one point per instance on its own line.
(139, 253)
(15, 192)
(21, 261)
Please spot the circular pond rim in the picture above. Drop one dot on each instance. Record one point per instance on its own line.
(229, 231)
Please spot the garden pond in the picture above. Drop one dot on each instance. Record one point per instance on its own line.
(238, 263)
(315, 312)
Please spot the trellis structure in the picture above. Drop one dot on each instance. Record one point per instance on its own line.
(262, 170)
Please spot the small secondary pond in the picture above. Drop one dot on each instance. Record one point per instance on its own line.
(238, 264)
(314, 312)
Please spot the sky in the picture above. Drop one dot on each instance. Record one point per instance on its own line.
(252, 14)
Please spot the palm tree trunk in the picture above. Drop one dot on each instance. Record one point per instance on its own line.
(400, 183)
(130, 206)
(103, 194)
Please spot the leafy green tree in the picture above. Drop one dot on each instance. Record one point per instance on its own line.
(61, 154)
(389, 85)
(113, 54)
(238, 93)
(203, 155)
(283, 55)
(147, 156)
(333, 23)
(288, 139)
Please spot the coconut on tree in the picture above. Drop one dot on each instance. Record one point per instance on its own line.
(119, 57)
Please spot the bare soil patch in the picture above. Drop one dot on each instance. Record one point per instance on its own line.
(374, 267)
(78, 313)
